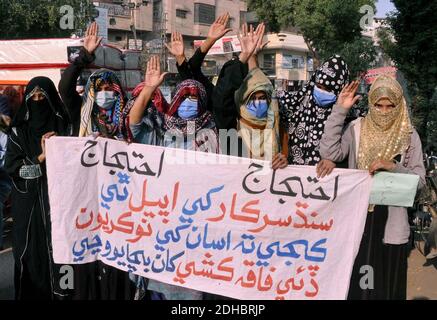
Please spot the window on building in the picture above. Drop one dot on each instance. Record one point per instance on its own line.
(293, 62)
(180, 13)
(269, 61)
(118, 38)
(269, 64)
(204, 13)
(157, 10)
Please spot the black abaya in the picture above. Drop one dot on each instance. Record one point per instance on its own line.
(389, 263)
(36, 275)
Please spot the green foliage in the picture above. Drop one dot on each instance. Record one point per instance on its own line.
(330, 27)
(411, 42)
(21, 19)
(268, 12)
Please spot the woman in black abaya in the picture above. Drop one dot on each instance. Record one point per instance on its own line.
(40, 116)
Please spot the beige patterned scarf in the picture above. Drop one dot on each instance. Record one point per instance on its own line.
(260, 136)
(384, 135)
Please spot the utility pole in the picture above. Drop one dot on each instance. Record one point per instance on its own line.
(133, 25)
(163, 34)
(133, 6)
(159, 34)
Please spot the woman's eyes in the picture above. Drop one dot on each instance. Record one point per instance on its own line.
(380, 106)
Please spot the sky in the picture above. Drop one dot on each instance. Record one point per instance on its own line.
(383, 7)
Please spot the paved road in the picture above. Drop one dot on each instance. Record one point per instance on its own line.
(6, 275)
(422, 277)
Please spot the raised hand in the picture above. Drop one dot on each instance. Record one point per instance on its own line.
(249, 40)
(176, 46)
(347, 97)
(91, 40)
(260, 30)
(218, 28)
(154, 77)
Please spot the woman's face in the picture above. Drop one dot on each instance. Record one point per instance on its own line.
(259, 95)
(322, 87)
(384, 105)
(192, 97)
(38, 96)
(105, 86)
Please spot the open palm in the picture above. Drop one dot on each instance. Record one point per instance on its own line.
(249, 39)
(348, 97)
(92, 40)
(154, 77)
(260, 30)
(176, 46)
(218, 28)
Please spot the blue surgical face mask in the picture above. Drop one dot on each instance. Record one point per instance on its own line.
(188, 109)
(105, 99)
(324, 98)
(258, 108)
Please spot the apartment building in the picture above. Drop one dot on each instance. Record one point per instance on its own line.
(286, 59)
(149, 20)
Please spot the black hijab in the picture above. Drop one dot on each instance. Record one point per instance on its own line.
(303, 118)
(35, 118)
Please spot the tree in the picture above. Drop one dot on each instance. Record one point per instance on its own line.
(411, 42)
(20, 19)
(329, 27)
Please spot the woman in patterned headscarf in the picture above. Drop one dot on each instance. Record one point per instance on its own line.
(186, 118)
(104, 108)
(258, 122)
(149, 127)
(104, 113)
(160, 117)
(384, 140)
(304, 113)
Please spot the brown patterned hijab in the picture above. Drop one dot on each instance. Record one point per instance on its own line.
(384, 135)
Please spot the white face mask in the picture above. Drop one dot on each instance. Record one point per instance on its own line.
(105, 99)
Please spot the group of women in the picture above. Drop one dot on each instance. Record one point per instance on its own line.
(301, 128)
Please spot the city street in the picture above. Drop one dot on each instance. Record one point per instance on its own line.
(207, 149)
(422, 277)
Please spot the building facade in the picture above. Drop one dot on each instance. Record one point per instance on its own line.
(286, 59)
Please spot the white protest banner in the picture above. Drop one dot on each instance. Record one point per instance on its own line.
(225, 225)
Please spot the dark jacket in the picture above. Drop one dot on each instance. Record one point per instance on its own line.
(67, 87)
(230, 79)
